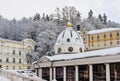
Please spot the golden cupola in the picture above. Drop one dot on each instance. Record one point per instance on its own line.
(69, 24)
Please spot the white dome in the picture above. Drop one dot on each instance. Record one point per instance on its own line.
(69, 38)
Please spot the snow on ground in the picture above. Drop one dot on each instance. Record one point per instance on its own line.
(3, 78)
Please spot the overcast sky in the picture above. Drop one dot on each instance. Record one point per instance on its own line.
(26, 8)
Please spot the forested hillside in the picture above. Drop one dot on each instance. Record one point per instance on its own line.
(44, 28)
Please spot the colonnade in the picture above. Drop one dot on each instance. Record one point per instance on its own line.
(52, 72)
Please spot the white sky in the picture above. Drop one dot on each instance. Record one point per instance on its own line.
(26, 8)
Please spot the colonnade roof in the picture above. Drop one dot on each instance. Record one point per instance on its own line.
(97, 53)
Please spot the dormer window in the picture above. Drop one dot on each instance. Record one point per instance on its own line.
(80, 49)
(68, 40)
(59, 50)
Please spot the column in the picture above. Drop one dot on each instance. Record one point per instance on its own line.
(90, 73)
(50, 74)
(64, 68)
(107, 72)
(76, 73)
(40, 72)
(54, 72)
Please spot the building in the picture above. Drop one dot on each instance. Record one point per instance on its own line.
(69, 64)
(101, 38)
(13, 53)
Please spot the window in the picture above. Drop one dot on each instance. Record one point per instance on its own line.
(78, 27)
(98, 37)
(104, 43)
(92, 45)
(13, 51)
(70, 49)
(71, 33)
(68, 40)
(7, 59)
(13, 60)
(19, 52)
(59, 50)
(92, 37)
(111, 43)
(80, 49)
(110, 35)
(117, 34)
(84, 39)
(20, 60)
(118, 42)
(104, 35)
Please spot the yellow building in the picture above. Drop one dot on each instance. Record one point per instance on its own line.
(13, 53)
(102, 38)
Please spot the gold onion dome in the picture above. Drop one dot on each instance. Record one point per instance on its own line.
(69, 24)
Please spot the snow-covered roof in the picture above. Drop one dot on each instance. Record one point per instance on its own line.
(102, 52)
(70, 34)
(103, 30)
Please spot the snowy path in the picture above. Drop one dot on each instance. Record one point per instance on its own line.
(3, 79)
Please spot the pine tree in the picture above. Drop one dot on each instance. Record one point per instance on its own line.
(90, 14)
(36, 17)
(48, 18)
(105, 19)
(100, 17)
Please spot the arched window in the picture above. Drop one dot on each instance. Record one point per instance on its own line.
(110, 35)
(80, 49)
(59, 50)
(70, 49)
(118, 34)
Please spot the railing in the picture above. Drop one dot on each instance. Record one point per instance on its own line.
(99, 76)
(115, 76)
(13, 76)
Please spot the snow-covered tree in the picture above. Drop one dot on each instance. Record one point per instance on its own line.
(45, 42)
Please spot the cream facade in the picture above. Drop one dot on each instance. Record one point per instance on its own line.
(13, 53)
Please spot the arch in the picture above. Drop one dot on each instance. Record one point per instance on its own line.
(59, 50)
(80, 49)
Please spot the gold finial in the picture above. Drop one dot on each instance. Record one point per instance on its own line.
(69, 24)
(69, 19)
